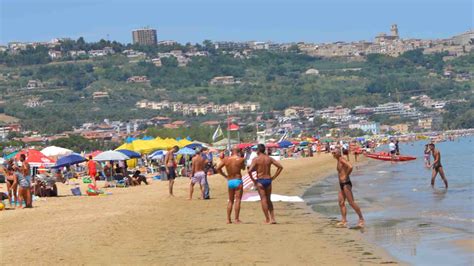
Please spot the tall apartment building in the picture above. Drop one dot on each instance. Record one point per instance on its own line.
(145, 36)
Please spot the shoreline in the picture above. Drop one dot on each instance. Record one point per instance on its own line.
(143, 225)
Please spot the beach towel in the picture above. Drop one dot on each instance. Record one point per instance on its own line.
(253, 196)
(248, 183)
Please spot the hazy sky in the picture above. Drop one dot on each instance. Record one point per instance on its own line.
(263, 20)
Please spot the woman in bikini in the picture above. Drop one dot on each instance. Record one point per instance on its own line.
(12, 184)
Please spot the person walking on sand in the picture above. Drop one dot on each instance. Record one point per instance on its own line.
(262, 165)
(170, 163)
(437, 167)
(92, 170)
(198, 176)
(344, 170)
(234, 166)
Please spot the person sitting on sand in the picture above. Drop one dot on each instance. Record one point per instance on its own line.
(197, 174)
(262, 165)
(344, 170)
(137, 178)
(234, 166)
(437, 167)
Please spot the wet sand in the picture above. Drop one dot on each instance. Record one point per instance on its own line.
(142, 225)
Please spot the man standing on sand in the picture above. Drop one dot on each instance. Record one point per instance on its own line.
(197, 174)
(170, 163)
(437, 167)
(262, 165)
(92, 170)
(233, 165)
(344, 170)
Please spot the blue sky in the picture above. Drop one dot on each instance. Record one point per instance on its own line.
(263, 20)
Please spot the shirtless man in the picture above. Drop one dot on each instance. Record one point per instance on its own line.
(197, 174)
(233, 165)
(170, 163)
(344, 170)
(437, 167)
(262, 165)
(24, 180)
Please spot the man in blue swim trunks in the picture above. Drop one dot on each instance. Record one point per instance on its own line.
(234, 166)
(262, 165)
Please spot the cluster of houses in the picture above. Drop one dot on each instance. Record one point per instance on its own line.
(199, 109)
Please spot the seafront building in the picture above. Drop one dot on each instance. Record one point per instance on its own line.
(144, 36)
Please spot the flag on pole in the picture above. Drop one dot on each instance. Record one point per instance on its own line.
(217, 133)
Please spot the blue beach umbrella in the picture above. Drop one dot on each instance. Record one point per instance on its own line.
(130, 139)
(186, 151)
(130, 153)
(285, 144)
(147, 138)
(194, 145)
(69, 160)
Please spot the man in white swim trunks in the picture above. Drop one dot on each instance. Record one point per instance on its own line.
(198, 175)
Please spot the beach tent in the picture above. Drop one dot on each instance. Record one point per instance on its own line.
(145, 146)
(35, 158)
(285, 144)
(131, 154)
(54, 151)
(69, 160)
(111, 156)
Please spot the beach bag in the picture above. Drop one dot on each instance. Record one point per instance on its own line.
(76, 191)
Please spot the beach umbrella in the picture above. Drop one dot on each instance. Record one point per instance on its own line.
(194, 146)
(130, 153)
(129, 139)
(304, 143)
(111, 156)
(184, 142)
(186, 151)
(244, 145)
(272, 145)
(156, 155)
(93, 154)
(68, 160)
(11, 155)
(54, 151)
(147, 138)
(285, 144)
(35, 158)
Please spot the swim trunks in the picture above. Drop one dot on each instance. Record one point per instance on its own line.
(437, 165)
(234, 183)
(345, 183)
(24, 181)
(199, 178)
(171, 173)
(265, 182)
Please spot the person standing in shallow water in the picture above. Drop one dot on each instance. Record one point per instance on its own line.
(344, 170)
(437, 167)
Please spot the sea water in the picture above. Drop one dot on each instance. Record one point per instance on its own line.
(414, 222)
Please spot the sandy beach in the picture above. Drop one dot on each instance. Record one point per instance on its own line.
(142, 225)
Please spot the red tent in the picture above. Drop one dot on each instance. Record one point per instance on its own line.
(36, 158)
